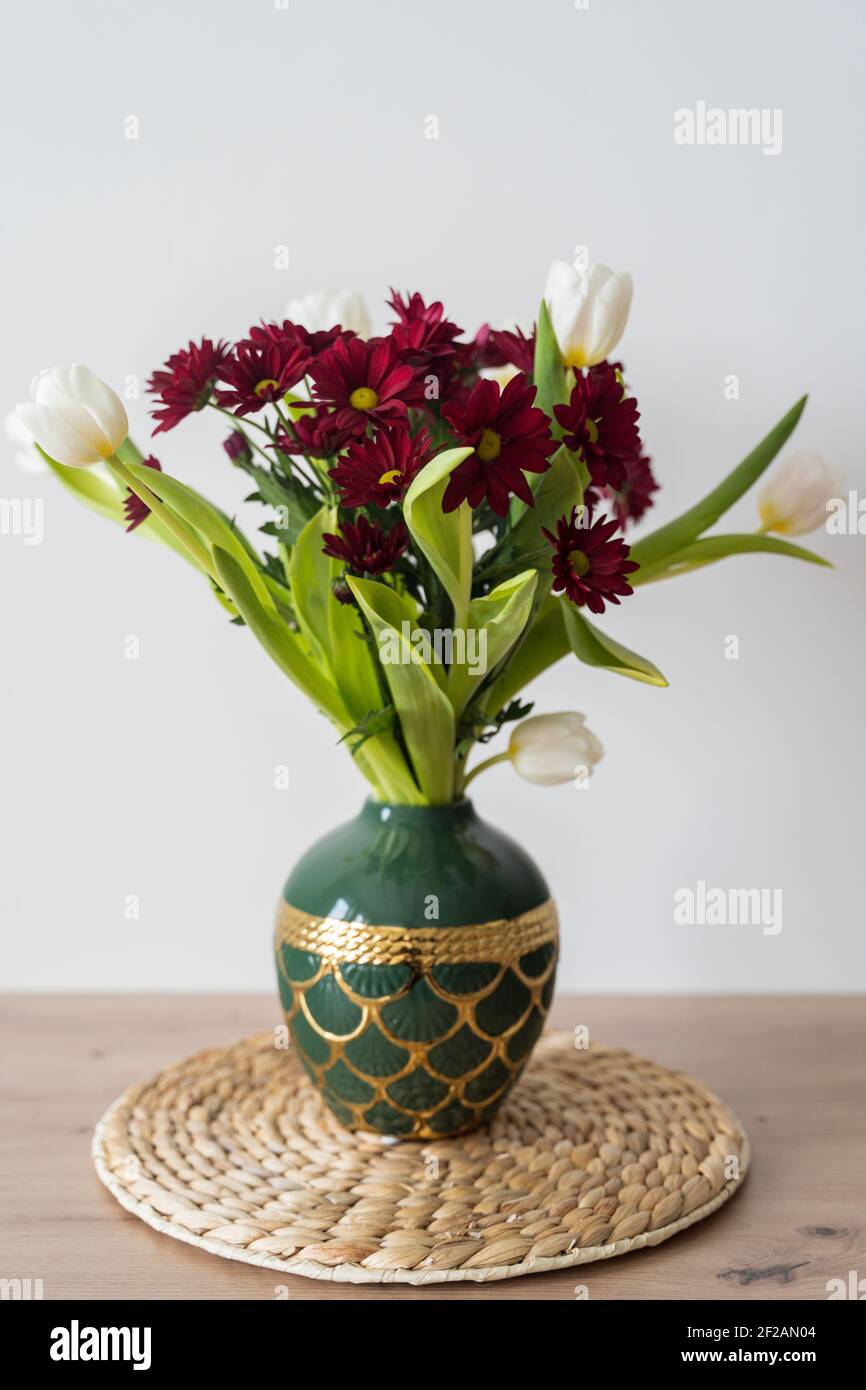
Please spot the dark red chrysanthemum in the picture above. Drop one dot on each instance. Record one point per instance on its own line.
(365, 547)
(298, 336)
(600, 423)
(363, 383)
(636, 495)
(509, 436)
(185, 382)
(260, 370)
(134, 509)
(412, 309)
(504, 347)
(314, 434)
(589, 565)
(378, 471)
(427, 341)
(421, 332)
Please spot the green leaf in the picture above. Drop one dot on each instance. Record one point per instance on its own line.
(335, 635)
(380, 759)
(548, 370)
(89, 486)
(691, 524)
(207, 521)
(498, 620)
(595, 648)
(309, 573)
(295, 502)
(282, 645)
(375, 721)
(711, 548)
(426, 716)
(445, 538)
(545, 643)
(551, 388)
(335, 629)
(99, 491)
(561, 489)
(353, 664)
(128, 451)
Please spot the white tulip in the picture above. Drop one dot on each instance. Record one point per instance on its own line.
(553, 748)
(795, 499)
(324, 308)
(74, 416)
(501, 375)
(22, 446)
(588, 310)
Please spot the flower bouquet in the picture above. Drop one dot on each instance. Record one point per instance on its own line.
(445, 519)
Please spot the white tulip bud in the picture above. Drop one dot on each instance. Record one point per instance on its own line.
(588, 310)
(74, 416)
(324, 309)
(795, 498)
(501, 375)
(552, 748)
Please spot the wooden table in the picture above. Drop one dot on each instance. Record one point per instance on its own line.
(791, 1067)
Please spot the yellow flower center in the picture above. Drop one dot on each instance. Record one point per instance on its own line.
(262, 388)
(390, 477)
(579, 563)
(488, 446)
(771, 520)
(592, 430)
(364, 398)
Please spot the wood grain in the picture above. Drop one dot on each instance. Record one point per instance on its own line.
(791, 1067)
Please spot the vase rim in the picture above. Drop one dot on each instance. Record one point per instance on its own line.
(399, 813)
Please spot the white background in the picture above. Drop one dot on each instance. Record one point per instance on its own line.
(304, 126)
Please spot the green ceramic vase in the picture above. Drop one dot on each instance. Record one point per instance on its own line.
(416, 952)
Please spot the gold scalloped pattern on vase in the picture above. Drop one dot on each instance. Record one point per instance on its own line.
(415, 1032)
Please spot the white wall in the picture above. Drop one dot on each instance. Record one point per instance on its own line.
(305, 126)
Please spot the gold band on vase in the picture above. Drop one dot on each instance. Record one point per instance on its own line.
(502, 942)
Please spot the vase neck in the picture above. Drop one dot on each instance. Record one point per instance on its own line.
(386, 813)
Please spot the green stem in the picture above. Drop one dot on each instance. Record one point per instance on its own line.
(385, 769)
(488, 762)
(238, 427)
(652, 574)
(179, 529)
(289, 426)
(239, 421)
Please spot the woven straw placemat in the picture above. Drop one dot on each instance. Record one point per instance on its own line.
(596, 1152)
